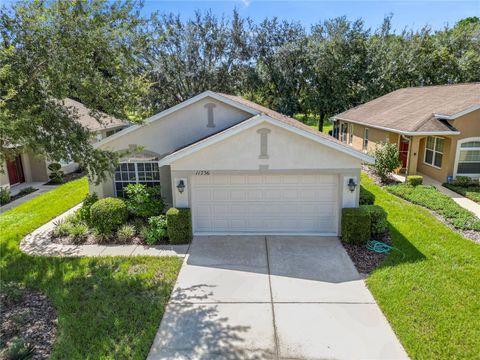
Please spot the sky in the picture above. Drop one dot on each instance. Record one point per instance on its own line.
(410, 14)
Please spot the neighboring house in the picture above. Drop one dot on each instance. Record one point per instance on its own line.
(436, 128)
(240, 167)
(28, 167)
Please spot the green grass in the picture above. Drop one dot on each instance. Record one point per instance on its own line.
(471, 192)
(312, 121)
(430, 294)
(431, 198)
(108, 308)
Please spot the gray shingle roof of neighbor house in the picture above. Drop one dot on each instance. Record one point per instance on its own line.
(90, 122)
(417, 109)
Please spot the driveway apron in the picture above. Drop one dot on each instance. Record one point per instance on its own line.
(272, 297)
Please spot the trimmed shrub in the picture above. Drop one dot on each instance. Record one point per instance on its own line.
(366, 197)
(378, 219)
(87, 204)
(78, 232)
(386, 159)
(462, 181)
(125, 233)
(414, 180)
(156, 229)
(62, 228)
(179, 225)
(107, 215)
(4, 195)
(56, 174)
(144, 201)
(355, 225)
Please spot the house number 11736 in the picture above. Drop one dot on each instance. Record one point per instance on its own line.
(202, 172)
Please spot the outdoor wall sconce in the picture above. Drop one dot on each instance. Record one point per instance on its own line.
(351, 184)
(181, 186)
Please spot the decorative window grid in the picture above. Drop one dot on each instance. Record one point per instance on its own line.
(135, 173)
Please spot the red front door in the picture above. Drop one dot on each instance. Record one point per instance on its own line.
(15, 171)
(403, 151)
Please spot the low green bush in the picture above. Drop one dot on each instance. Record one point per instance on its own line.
(156, 229)
(56, 173)
(125, 233)
(179, 225)
(386, 159)
(355, 225)
(62, 228)
(4, 195)
(471, 192)
(378, 219)
(366, 197)
(78, 232)
(462, 181)
(18, 349)
(144, 201)
(107, 215)
(26, 191)
(414, 180)
(89, 200)
(13, 292)
(431, 198)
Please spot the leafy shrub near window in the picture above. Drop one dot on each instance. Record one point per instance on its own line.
(125, 233)
(144, 201)
(107, 215)
(386, 159)
(179, 225)
(414, 180)
(87, 204)
(4, 195)
(56, 173)
(378, 219)
(355, 225)
(366, 197)
(156, 229)
(462, 181)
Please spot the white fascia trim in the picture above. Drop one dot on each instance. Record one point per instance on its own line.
(177, 107)
(458, 114)
(401, 132)
(253, 122)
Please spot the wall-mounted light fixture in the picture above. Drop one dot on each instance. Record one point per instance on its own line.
(181, 186)
(351, 184)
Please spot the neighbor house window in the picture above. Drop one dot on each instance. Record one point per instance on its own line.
(135, 173)
(434, 151)
(350, 134)
(469, 158)
(343, 132)
(365, 139)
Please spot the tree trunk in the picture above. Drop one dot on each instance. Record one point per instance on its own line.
(321, 120)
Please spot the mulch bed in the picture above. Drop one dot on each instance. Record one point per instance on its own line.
(18, 196)
(70, 177)
(366, 260)
(92, 240)
(376, 179)
(31, 317)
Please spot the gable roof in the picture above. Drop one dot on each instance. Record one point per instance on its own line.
(253, 121)
(417, 109)
(88, 121)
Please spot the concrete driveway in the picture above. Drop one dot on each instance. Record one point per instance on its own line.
(274, 297)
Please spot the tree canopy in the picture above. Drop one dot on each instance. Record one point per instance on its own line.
(105, 55)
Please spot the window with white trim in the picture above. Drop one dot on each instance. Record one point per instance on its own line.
(343, 132)
(469, 158)
(350, 134)
(434, 151)
(135, 173)
(365, 139)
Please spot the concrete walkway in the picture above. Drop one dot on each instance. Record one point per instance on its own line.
(459, 199)
(257, 297)
(14, 190)
(38, 243)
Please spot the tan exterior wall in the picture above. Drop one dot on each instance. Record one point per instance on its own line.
(375, 136)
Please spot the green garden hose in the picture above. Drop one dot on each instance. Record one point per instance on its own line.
(381, 247)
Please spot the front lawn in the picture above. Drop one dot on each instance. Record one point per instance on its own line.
(431, 198)
(429, 289)
(108, 308)
(471, 192)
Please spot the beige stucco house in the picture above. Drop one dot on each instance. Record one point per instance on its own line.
(30, 168)
(436, 128)
(240, 167)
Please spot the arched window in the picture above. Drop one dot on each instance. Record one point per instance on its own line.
(468, 157)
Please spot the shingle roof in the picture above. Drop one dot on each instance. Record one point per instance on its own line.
(278, 116)
(88, 121)
(413, 109)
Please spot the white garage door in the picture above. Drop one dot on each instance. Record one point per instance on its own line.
(265, 204)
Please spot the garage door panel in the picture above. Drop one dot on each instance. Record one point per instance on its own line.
(265, 203)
